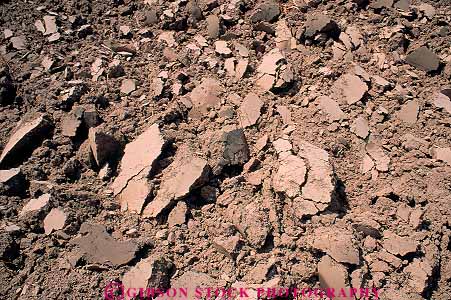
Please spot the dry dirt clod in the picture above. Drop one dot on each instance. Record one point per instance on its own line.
(128, 86)
(97, 69)
(270, 62)
(259, 273)
(229, 246)
(442, 100)
(351, 38)
(377, 153)
(241, 68)
(284, 39)
(178, 214)
(398, 245)
(379, 4)
(136, 164)
(47, 63)
(320, 184)
(54, 37)
(338, 243)
(206, 94)
(409, 112)
(252, 222)
(274, 73)
(319, 23)
(282, 145)
(222, 48)
(36, 205)
(98, 247)
(332, 275)
(367, 164)
(420, 272)
(359, 71)
(186, 173)
(103, 146)
(148, 273)
(19, 42)
(134, 195)
(266, 82)
(50, 25)
(39, 26)
(285, 113)
(261, 143)
(403, 5)
(349, 89)
(55, 220)
(242, 50)
(139, 155)
(442, 154)
(71, 123)
(228, 147)
(427, 9)
(28, 134)
(331, 108)
(12, 181)
(213, 26)
(360, 127)
(157, 87)
(290, 175)
(305, 208)
(250, 110)
(7, 33)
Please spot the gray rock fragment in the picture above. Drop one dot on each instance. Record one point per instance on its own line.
(423, 59)
(268, 11)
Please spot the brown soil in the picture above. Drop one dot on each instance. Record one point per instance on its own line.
(310, 147)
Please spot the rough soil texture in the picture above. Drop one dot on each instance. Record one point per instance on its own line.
(225, 143)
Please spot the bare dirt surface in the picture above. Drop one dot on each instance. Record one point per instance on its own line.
(225, 143)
